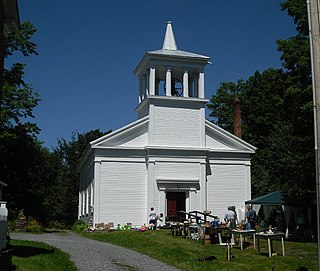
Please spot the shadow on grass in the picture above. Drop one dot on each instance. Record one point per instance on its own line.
(29, 251)
(54, 231)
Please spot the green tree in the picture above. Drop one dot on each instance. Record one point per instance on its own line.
(23, 160)
(221, 104)
(62, 201)
(298, 103)
(18, 99)
(25, 168)
(276, 115)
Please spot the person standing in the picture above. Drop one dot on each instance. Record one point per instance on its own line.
(251, 217)
(153, 218)
(230, 218)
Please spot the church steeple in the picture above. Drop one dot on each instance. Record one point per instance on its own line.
(169, 42)
(171, 72)
(171, 94)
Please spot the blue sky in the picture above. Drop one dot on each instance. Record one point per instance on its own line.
(89, 49)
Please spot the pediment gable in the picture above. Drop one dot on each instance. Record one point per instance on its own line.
(134, 134)
(217, 139)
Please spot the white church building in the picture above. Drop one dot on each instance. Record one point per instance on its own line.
(171, 158)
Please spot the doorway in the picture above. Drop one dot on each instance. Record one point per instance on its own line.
(176, 201)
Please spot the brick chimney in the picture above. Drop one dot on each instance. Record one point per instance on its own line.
(237, 118)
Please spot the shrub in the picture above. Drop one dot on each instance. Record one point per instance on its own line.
(34, 226)
(57, 225)
(79, 225)
(11, 225)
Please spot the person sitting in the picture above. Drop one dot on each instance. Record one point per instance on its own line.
(160, 220)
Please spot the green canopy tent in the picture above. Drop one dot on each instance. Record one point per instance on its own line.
(278, 198)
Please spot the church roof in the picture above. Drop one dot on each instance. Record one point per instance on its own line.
(170, 48)
(135, 136)
(178, 53)
(170, 51)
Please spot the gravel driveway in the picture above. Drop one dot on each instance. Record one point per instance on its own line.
(91, 255)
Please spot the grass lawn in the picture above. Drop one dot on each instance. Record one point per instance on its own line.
(35, 256)
(184, 253)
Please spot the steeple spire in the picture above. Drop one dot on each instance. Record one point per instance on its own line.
(169, 42)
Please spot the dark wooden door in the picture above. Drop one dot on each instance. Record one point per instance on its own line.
(176, 201)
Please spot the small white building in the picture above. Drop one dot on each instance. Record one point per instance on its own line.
(171, 158)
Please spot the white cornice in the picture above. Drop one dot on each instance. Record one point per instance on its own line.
(152, 99)
(238, 141)
(176, 148)
(119, 131)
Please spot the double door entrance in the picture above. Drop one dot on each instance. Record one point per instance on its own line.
(176, 201)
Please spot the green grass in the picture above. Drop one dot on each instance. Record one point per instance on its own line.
(184, 253)
(35, 256)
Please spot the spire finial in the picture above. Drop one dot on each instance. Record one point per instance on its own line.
(169, 42)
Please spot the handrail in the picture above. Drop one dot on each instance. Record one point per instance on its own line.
(195, 214)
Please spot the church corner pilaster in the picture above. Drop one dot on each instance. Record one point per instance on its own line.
(97, 174)
(151, 183)
(203, 185)
(151, 125)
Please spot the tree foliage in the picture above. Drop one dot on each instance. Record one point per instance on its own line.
(62, 201)
(23, 160)
(18, 98)
(24, 168)
(20, 41)
(277, 114)
(42, 183)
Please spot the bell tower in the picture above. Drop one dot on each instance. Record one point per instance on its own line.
(171, 92)
(171, 72)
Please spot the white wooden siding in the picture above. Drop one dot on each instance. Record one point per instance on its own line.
(80, 212)
(138, 140)
(156, 198)
(176, 170)
(198, 201)
(86, 201)
(215, 144)
(135, 137)
(89, 197)
(226, 186)
(176, 126)
(123, 192)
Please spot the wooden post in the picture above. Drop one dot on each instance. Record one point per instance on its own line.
(313, 18)
(2, 52)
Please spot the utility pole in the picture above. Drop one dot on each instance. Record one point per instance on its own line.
(2, 51)
(314, 32)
